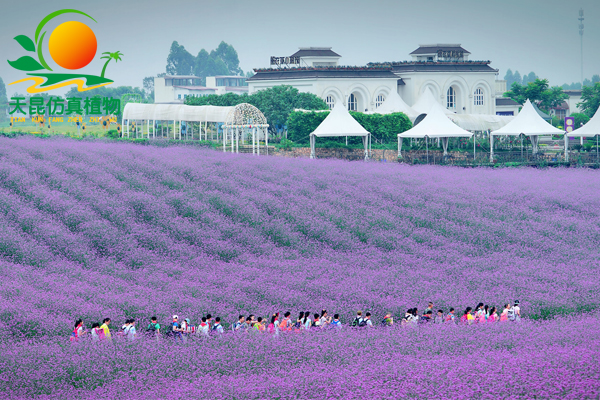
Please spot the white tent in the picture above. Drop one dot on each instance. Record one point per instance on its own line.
(177, 113)
(426, 102)
(339, 122)
(480, 122)
(393, 104)
(435, 125)
(527, 122)
(591, 129)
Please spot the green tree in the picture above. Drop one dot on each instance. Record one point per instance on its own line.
(227, 54)
(516, 79)
(509, 78)
(538, 92)
(148, 84)
(3, 100)
(275, 103)
(579, 119)
(590, 99)
(587, 82)
(596, 78)
(179, 60)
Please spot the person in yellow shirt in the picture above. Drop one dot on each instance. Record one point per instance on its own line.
(105, 329)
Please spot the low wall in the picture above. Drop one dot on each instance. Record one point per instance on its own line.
(344, 154)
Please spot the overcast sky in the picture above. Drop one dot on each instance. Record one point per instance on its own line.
(525, 35)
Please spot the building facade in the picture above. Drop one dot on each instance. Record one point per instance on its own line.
(459, 84)
(175, 88)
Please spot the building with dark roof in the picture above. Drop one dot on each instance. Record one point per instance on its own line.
(458, 83)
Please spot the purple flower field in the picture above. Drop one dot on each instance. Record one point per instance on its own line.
(95, 229)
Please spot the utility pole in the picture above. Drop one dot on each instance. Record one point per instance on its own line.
(581, 36)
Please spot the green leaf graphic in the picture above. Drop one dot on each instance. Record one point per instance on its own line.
(26, 64)
(25, 42)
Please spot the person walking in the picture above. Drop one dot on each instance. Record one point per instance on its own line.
(357, 320)
(429, 308)
(97, 333)
(439, 318)
(451, 317)
(153, 329)
(388, 320)
(131, 332)
(105, 329)
(336, 324)
(238, 325)
(78, 331)
(467, 318)
(176, 330)
(493, 317)
(504, 313)
(217, 328)
(368, 323)
(517, 309)
(325, 319)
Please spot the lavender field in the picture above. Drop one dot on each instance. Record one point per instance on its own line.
(96, 229)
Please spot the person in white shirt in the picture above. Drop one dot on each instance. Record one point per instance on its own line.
(517, 310)
(368, 320)
(218, 328)
(131, 332)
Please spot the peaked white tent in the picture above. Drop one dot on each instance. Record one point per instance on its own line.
(435, 125)
(426, 102)
(527, 122)
(393, 104)
(339, 122)
(591, 129)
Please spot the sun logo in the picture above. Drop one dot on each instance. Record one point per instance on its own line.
(72, 46)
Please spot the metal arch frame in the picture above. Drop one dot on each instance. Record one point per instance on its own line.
(247, 116)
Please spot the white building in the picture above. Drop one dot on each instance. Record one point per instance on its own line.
(459, 84)
(175, 88)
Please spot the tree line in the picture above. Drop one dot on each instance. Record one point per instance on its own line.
(515, 77)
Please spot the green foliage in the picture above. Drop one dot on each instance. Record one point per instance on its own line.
(113, 134)
(538, 92)
(580, 119)
(276, 103)
(590, 99)
(301, 124)
(179, 60)
(384, 128)
(221, 61)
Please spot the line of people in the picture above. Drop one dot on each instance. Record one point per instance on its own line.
(481, 314)
(182, 330)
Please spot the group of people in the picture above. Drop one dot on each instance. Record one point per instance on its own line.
(481, 314)
(182, 330)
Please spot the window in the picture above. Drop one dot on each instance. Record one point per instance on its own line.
(451, 98)
(178, 97)
(379, 100)
(330, 101)
(352, 103)
(478, 97)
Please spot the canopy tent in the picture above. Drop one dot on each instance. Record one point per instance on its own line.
(172, 112)
(393, 104)
(591, 129)
(527, 122)
(426, 102)
(435, 125)
(480, 122)
(339, 122)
